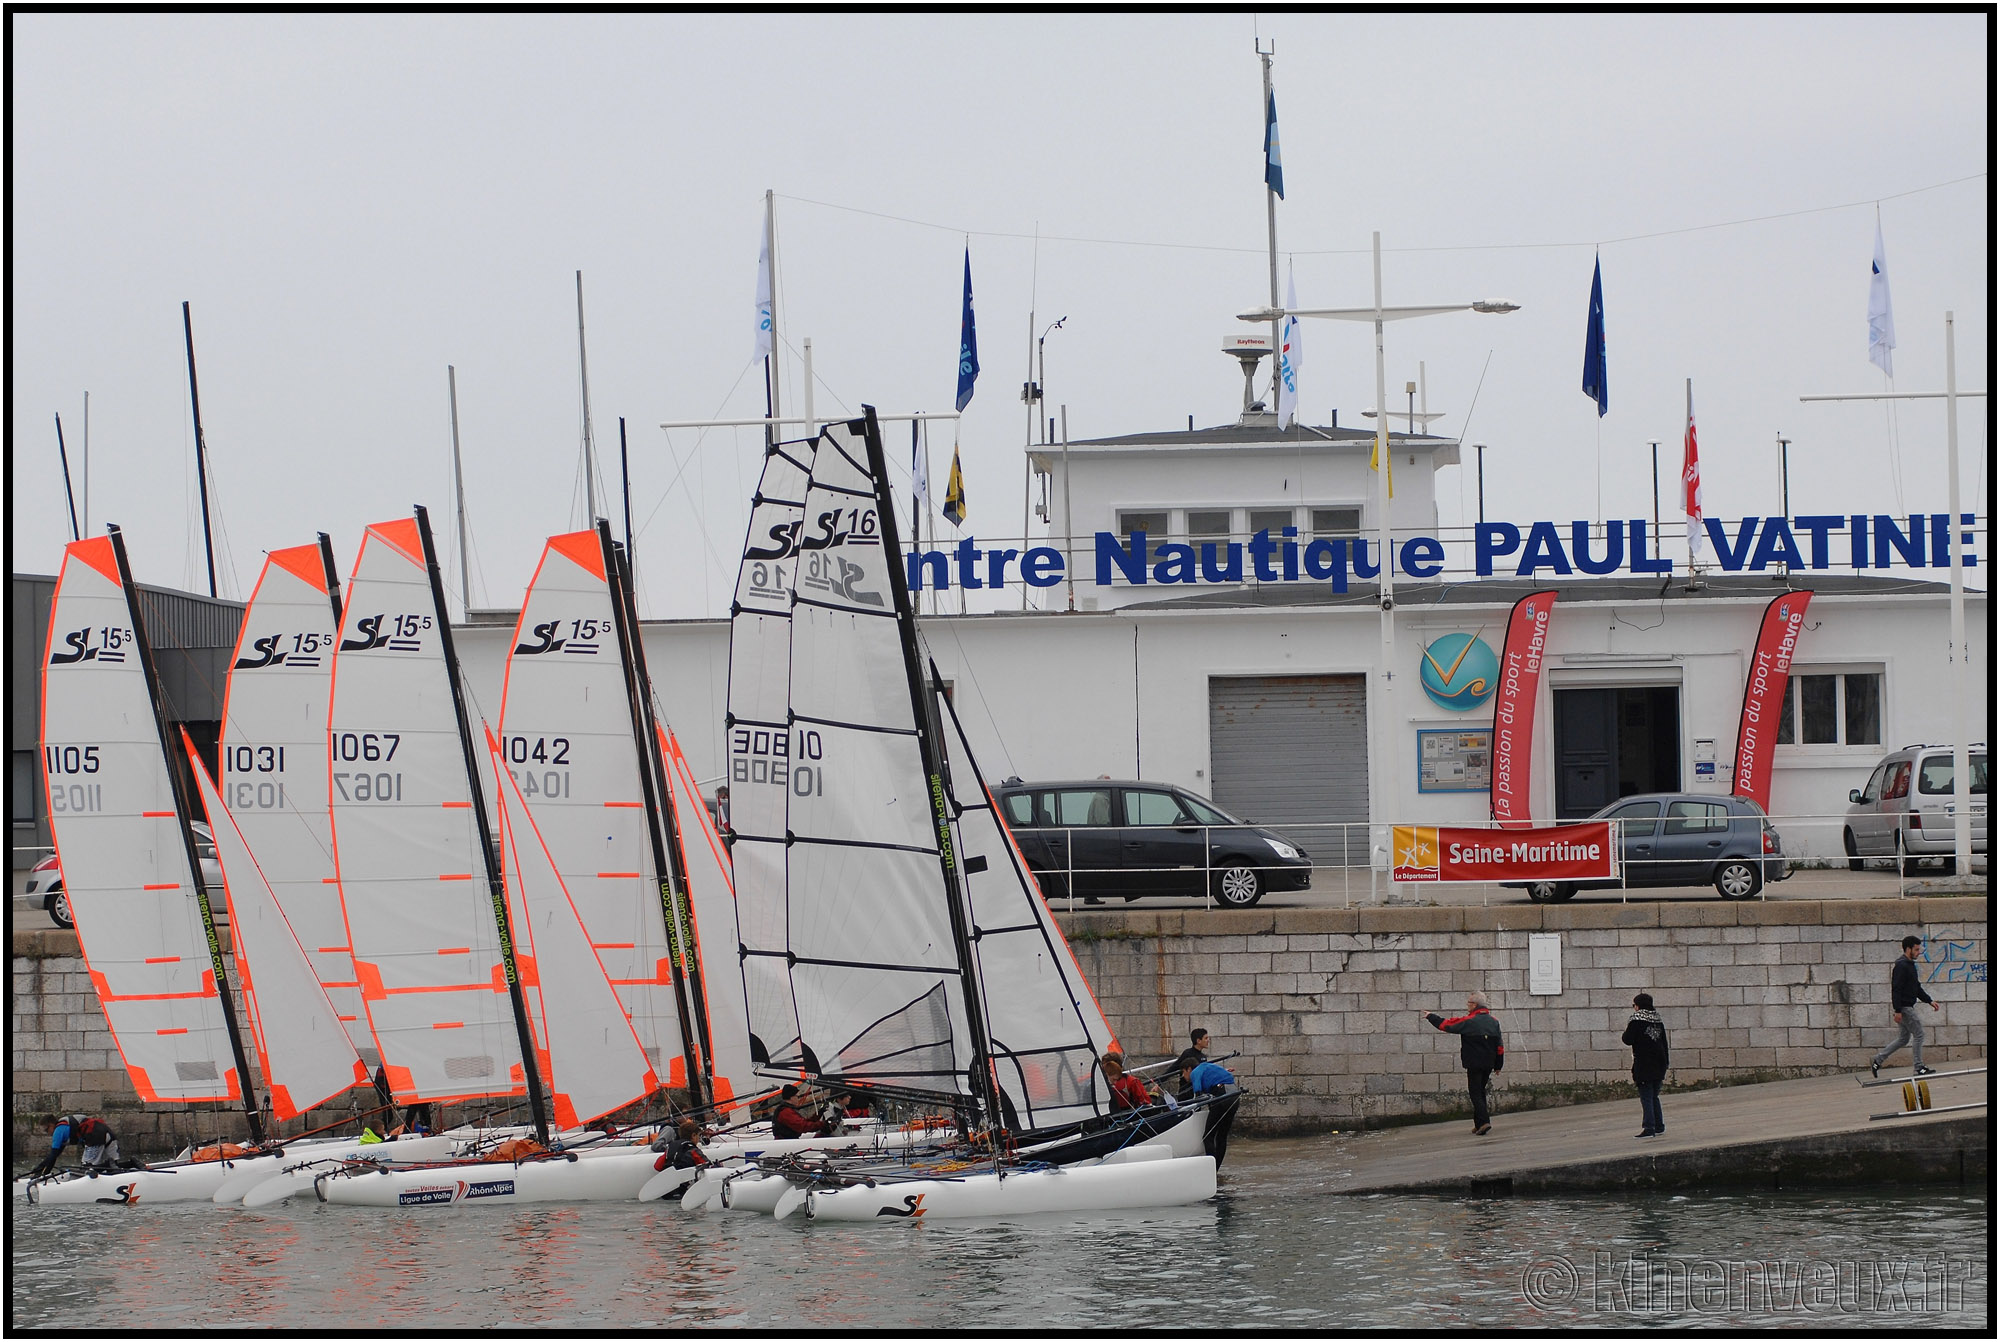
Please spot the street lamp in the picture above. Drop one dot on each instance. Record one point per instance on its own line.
(1386, 752)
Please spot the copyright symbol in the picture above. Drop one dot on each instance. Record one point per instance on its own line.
(1549, 1283)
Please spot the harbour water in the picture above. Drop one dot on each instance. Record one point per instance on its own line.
(1274, 1250)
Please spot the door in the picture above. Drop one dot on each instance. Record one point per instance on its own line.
(1691, 840)
(1637, 824)
(1292, 752)
(1586, 732)
(1087, 840)
(1871, 835)
(1165, 848)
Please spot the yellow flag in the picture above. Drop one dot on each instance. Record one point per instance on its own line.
(1375, 463)
(954, 493)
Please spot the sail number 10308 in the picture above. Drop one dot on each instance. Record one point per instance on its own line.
(762, 755)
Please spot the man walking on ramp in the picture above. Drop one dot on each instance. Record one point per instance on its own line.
(1905, 991)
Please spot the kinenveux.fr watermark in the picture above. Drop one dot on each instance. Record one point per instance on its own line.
(1673, 1284)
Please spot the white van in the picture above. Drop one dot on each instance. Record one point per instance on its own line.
(1906, 810)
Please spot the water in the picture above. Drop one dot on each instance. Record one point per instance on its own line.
(1275, 1250)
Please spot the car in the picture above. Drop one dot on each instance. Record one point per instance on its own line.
(1904, 811)
(1684, 838)
(45, 885)
(1104, 838)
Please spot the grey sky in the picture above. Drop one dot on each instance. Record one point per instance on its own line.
(353, 202)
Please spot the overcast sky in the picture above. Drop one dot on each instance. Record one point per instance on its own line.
(353, 202)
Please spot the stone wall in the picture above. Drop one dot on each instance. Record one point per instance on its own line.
(1324, 1003)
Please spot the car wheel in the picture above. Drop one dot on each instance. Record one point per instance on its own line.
(1238, 887)
(1949, 865)
(1737, 879)
(1905, 863)
(59, 908)
(1550, 892)
(1855, 862)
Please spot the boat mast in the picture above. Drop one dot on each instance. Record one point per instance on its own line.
(200, 448)
(661, 829)
(984, 1084)
(332, 578)
(68, 492)
(589, 449)
(458, 488)
(176, 775)
(530, 1066)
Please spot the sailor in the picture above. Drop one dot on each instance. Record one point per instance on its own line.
(92, 1134)
(1205, 1078)
(681, 1151)
(1127, 1092)
(788, 1121)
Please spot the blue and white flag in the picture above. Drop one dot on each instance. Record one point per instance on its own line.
(1881, 320)
(968, 342)
(1288, 356)
(1274, 171)
(1595, 384)
(764, 322)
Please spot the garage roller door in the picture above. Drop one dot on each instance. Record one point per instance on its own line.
(1292, 752)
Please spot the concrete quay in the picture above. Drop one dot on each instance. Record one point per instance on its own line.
(1778, 1134)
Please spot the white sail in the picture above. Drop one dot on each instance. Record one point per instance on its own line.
(592, 1060)
(407, 846)
(301, 1045)
(875, 966)
(713, 899)
(121, 845)
(566, 735)
(274, 763)
(759, 772)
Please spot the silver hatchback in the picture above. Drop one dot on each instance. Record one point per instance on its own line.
(1906, 811)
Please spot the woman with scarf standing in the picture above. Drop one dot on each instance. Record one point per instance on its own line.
(1647, 1035)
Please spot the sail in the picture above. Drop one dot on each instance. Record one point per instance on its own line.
(591, 1057)
(274, 763)
(301, 1045)
(1045, 1027)
(406, 843)
(119, 840)
(713, 900)
(875, 963)
(760, 631)
(566, 735)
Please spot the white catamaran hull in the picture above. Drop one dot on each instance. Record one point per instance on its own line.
(1129, 1184)
(250, 1174)
(604, 1176)
(162, 1183)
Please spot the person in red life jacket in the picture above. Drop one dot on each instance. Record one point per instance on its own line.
(856, 1105)
(682, 1150)
(789, 1122)
(1480, 1052)
(1127, 1092)
(92, 1135)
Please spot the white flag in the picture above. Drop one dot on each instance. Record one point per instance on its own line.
(1881, 319)
(1288, 356)
(764, 325)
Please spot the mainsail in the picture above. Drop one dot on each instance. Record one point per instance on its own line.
(274, 760)
(566, 733)
(409, 851)
(127, 856)
(758, 749)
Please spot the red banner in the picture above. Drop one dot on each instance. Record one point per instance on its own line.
(1556, 853)
(1521, 659)
(1764, 695)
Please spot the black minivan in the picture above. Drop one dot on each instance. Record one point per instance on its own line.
(1128, 839)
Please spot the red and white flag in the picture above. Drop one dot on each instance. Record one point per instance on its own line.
(1691, 482)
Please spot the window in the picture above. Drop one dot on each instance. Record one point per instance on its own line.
(1154, 524)
(1208, 522)
(1273, 520)
(1899, 781)
(1936, 778)
(1087, 806)
(24, 787)
(1873, 790)
(1832, 708)
(1636, 819)
(1696, 817)
(1205, 813)
(1020, 809)
(1152, 808)
(1336, 521)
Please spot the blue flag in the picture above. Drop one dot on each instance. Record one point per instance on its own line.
(968, 342)
(1595, 385)
(1274, 171)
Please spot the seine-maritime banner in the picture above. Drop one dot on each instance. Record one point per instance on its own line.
(1554, 853)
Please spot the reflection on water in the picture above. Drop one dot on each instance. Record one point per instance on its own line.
(1274, 1251)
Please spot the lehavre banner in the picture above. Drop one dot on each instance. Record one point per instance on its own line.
(1553, 853)
(1764, 695)
(1521, 657)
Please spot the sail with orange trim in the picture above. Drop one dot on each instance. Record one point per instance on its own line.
(121, 839)
(274, 761)
(408, 848)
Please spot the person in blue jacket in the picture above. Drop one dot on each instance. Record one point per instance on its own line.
(98, 1143)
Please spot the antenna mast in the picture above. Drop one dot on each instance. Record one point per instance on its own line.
(1271, 217)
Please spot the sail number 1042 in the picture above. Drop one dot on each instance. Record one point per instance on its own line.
(782, 758)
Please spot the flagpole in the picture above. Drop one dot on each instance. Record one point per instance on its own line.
(1069, 525)
(1271, 220)
(771, 399)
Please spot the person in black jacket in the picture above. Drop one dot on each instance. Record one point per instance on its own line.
(1480, 1052)
(1905, 991)
(1647, 1035)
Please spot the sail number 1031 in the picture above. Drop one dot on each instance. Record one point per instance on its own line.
(786, 759)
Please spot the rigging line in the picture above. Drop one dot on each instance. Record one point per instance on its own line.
(965, 662)
(1363, 251)
(700, 513)
(741, 374)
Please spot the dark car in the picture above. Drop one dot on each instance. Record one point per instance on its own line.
(1683, 838)
(1127, 839)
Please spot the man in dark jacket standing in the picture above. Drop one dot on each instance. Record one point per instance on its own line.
(1480, 1052)
(1905, 991)
(1646, 1033)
